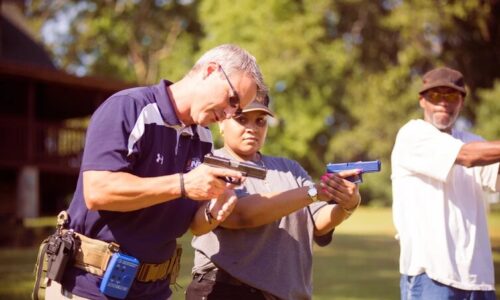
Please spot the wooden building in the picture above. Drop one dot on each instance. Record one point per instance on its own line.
(43, 115)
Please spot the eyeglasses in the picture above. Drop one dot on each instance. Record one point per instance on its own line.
(435, 97)
(234, 99)
(244, 121)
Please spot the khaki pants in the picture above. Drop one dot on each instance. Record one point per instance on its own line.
(55, 291)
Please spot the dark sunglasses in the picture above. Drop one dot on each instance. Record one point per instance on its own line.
(435, 97)
(234, 99)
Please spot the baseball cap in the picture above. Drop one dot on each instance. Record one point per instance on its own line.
(259, 106)
(443, 76)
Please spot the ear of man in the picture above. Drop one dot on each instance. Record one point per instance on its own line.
(209, 69)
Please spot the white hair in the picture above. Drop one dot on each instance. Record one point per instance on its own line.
(234, 58)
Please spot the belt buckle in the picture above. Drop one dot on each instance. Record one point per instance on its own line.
(113, 247)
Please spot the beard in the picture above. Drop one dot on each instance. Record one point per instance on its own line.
(443, 122)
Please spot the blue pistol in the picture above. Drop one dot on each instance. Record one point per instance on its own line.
(364, 166)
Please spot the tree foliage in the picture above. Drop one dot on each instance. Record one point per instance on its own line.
(136, 41)
(343, 74)
(488, 112)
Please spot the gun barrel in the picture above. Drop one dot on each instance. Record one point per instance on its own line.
(365, 166)
(247, 169)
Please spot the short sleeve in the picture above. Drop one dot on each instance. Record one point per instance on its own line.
(106, 140)
(325, 239)
(303, 179)
(421, 148)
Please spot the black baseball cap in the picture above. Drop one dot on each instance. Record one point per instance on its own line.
(259, 106)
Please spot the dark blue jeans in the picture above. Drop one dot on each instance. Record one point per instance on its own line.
(205, 289)
(421, 287)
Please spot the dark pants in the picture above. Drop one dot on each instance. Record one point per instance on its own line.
(214, 288)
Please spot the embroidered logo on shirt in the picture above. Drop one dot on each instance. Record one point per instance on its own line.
(193, 163)
(159, 158)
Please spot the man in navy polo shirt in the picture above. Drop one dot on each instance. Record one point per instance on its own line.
(141, 183)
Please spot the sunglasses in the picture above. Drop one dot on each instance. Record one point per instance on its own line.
(234, 99)
(435, 97)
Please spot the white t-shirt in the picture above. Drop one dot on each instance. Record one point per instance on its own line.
(438, 208)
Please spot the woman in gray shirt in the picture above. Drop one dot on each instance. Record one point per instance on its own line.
(263, 250)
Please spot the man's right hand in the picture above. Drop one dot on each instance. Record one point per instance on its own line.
(205, 182)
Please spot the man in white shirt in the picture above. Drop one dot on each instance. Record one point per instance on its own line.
(439, 178)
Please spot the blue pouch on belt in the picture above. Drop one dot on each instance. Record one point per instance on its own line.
(119, 275)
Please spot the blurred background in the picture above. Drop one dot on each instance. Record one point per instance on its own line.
(343, 77)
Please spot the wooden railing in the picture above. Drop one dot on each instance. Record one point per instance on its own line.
(51, 146)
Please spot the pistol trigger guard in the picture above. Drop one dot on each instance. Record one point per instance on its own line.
(226, 179)
(355, 179)
(231, 180)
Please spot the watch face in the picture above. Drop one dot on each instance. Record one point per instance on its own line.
(313, 192)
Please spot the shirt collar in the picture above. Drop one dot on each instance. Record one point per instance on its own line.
(167, 111)
(166, 105)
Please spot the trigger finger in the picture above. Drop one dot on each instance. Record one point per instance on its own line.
(349, 173)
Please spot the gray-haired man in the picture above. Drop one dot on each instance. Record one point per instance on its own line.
(142, 181)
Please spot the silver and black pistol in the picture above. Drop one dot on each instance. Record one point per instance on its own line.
(248, 170)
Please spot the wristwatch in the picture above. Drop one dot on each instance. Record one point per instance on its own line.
(313, 193)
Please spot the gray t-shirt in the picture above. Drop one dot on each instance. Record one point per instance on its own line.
(276, 257)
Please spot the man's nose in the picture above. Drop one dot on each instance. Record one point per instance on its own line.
(443, 102)
(229, 112)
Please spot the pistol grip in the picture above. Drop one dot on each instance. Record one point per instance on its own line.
(231, 180)
(355, 178)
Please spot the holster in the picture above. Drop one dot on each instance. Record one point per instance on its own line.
(40, 272)
(93, 256)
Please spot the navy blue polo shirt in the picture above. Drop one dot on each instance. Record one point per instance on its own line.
(137, 131)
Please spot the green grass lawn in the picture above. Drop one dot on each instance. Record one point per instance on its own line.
(360, 263)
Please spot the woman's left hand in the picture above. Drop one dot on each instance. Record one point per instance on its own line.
(222, 206)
